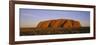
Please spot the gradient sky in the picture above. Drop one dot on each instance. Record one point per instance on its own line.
(31, 17)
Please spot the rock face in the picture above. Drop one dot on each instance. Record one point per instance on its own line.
(59, 23)
(44, 24)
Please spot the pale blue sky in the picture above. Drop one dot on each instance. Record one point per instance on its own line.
(31, 17)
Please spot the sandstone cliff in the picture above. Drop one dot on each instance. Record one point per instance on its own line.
(59, 23)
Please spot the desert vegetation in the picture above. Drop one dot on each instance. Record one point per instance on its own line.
(50, 31)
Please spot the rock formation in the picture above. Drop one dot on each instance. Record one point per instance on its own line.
(68, 24)
(59, 23)
(44, 24)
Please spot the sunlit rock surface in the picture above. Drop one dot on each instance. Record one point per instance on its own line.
(59, 23)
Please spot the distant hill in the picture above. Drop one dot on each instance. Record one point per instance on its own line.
(59, 23)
